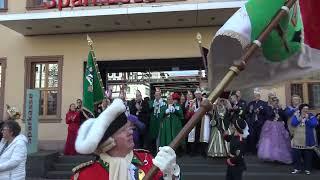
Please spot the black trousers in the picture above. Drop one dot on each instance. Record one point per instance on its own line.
(306, 155)
(234, 173)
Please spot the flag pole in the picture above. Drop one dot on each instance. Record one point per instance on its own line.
(199, 39)
(234, 70)
(90, 44)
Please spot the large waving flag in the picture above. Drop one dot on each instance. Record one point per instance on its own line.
(93, 90)
(280, 55)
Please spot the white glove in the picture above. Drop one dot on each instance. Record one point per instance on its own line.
(167, 111)
(172, 109)
(166, 162)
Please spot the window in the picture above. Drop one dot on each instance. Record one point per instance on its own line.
(45, 74)
(296, 89)
(36, 4)
(308, 90)
(314, 95)
(3, 5)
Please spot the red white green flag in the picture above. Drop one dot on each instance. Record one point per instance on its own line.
(282, 56)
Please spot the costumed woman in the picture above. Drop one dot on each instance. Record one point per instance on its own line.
(73, 121)
(274, 143)
(172, 123)
(220, 123)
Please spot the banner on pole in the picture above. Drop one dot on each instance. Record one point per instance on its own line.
(32, 119)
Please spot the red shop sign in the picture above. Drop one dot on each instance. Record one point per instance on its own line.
(76, 3)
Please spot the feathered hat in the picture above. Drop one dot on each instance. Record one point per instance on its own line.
(96, 131)
(13, 113)
(198, 91)
(138, 92)
(175, 96)
(158, 90)
(257, 91)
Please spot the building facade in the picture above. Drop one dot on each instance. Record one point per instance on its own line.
(44, 46)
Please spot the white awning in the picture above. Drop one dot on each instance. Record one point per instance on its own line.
(117, 18)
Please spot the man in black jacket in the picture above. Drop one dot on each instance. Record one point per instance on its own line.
(139, 108)
(235, 162)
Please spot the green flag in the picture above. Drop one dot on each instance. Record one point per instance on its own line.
(280, 44)
(93, 91)
(278, 58)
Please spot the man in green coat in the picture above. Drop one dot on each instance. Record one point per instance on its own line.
(157, 108)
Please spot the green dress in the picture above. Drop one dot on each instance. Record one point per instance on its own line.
(157, 114)
(171, 125)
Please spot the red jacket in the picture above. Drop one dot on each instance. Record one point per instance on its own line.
(96, 171)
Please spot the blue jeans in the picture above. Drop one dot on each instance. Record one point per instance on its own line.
(306, 155)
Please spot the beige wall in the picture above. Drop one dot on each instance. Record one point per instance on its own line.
(169, 43)
(279, 90)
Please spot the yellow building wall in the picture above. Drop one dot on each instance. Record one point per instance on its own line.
(279, 90)
(168, 43)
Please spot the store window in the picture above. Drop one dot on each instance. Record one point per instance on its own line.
(314, 95)
(36, 4)
(45, 74)
(3, 5)
(309, 91)
(296, 89)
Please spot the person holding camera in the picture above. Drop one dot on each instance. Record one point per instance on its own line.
(304, 139)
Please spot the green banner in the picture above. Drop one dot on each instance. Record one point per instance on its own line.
(32, 119)
(93, 91)
(280, 43)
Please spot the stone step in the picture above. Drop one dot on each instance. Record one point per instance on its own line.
(63, 166)
(200, 159)
(194, 167)
(59, 174)
(217, 175)
(75, 159)
(249, 176)
(199, 167)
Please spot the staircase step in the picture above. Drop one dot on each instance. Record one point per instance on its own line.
(64, 166)
(249, 176)
(75, 159)
(59, 174)
(195, 167)
(200, 159)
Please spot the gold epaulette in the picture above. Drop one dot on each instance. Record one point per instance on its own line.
(82, 165)
(141, 150)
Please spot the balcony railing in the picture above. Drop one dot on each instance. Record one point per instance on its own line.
(39, 4)
(35, 4)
